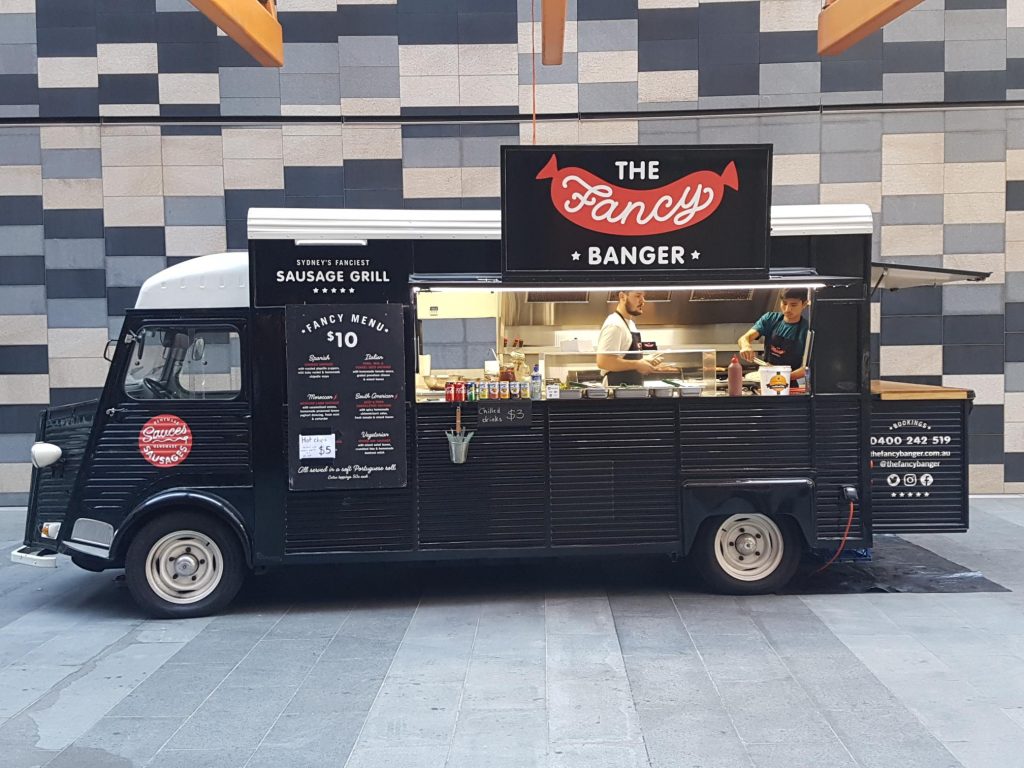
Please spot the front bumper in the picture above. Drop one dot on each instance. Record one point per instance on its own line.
(34, 556)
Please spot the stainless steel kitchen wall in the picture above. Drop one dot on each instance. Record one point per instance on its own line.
(133, 136)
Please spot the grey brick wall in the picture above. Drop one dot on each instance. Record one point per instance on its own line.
(133, 135)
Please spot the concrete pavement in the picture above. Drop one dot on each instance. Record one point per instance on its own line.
(520, 664)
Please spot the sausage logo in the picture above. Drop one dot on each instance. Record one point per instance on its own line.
(778, 383)
(165, 441)
(590, 202)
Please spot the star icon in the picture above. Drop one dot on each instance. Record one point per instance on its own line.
(334, 290)
(695, 256)
(926, 494)
(575, 255)
(351, 290)
(893, 495)
(316, 290)
(901, 494)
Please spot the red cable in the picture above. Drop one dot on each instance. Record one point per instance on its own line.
(842, 542)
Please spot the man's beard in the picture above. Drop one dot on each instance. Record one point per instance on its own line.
(635, 311)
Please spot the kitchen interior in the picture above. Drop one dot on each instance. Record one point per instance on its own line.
(480, 336)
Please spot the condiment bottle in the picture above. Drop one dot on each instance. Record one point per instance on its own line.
(735, 377)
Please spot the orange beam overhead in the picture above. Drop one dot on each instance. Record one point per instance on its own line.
(844, 23)
(250, 23)
(552, 25)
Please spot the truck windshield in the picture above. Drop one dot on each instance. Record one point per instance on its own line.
(184, 363)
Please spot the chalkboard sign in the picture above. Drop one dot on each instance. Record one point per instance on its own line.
(508, 413)
(346, 396)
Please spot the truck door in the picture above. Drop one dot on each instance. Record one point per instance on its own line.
(175, 414)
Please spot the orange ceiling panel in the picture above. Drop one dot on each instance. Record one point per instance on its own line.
(843, 23)
(250, 23)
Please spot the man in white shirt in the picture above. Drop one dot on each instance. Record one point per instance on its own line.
(620, 334)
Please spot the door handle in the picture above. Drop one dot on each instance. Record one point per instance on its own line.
(112, 412)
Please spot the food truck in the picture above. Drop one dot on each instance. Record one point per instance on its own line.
(346, 390)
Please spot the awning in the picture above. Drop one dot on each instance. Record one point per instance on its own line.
(892, 277)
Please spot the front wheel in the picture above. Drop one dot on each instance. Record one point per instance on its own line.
(184, 564)
(747, 554)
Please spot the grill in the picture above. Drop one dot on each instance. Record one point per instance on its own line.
(67, 426)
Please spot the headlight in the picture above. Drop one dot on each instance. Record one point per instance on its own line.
(44, 454)
(49, 530)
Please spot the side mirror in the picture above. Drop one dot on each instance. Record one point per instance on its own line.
(198, 349)
(108, 351)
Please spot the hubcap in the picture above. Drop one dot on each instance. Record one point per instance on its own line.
(749, 547)
(184, 567)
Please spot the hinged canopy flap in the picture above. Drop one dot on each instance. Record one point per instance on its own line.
(892, 277)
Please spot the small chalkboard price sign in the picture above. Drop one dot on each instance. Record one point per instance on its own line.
(511, 413)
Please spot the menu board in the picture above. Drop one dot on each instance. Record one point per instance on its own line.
(633, 213)
(346, 396)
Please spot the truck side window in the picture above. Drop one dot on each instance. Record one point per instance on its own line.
(176, 363)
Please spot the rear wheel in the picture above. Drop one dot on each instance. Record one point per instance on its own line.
(184, 564)
(747, 554)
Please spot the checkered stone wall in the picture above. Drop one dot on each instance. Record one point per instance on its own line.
(134, 135)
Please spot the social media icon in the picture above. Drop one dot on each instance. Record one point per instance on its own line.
(927, 479)
(893, 480)
(910, 479)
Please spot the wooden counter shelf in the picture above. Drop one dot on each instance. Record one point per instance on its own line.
(899, 390)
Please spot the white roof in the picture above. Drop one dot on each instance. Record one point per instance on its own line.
(347, 224)
(206, 282)
(222, 279)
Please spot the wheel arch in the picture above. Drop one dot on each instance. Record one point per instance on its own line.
(180, 500)
(791, 497)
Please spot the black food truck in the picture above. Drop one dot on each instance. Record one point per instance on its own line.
(371, 385)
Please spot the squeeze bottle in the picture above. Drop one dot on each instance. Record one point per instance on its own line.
(735, 378)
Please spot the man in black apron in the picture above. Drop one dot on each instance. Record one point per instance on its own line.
(619, 334)
(784, 333)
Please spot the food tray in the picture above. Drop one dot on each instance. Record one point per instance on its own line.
(660, 391)
(630, 392)
(572, 393)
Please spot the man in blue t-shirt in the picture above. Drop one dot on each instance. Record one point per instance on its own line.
(784, 333)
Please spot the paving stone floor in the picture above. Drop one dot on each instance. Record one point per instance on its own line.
(567, 665)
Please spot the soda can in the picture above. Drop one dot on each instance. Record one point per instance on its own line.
(460, 391)
(470, 391)
(481, 390)
(503, 390)
(449, 391)
(492, 390)
(513, 390)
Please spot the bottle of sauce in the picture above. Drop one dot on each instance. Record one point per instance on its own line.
(735, 377)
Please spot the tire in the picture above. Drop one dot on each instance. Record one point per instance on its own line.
(747, 554)
(209, 570)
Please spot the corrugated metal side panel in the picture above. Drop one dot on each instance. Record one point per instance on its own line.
(351, 521)
(741, 437)
(615, 481)
(838, 450)
(944, 509)
(220, 450)
(68, 427)
(498, 498)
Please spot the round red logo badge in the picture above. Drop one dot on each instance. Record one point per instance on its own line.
(165, 441)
